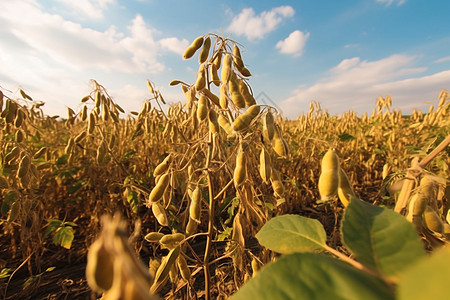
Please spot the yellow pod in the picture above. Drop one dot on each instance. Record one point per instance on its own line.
(158, 191)
(236, 95)
(153, 266)
(218, 60)
(226, 69)
(191, 227)
(153, 237)
(265, 165)
(277, 184)
(91, 123)
(99, 267)
(162, 167)
(80, 137)
(98, 98)
(83, 114)
(196, 44)
(214, 99)
(214, 74)
(164, 269)
(248, 98)
(19, 118)
(244, 120)
(172, 239)
(213, 123)
(345, 189)
(183, 267)
(160, 214)
(202, 109)
(269, 125)
(237, 59)
(432, 220)
(330, 161)
(328, 184)
(205, 50)
(195, 206)
(225, 124)
(223, 100)
(19, 136)
(279, 145)
(240, 171)
(13, 154)
(200, 84)
(244, 71)
(69, 146)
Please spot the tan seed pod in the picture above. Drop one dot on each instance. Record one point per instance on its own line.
(183, 267)
(432, 220)
(80, 137)
(243, 121)
(25, 95)
(83, 114)
(329, 177)
(237, 59)
(224, 123)
(191, 227)
(85, 98)
(236, 96)
(100, 267)
(265, 165)
(19, 118)
(158, 191)
(213, 123)
(345, 189)
(12, 155)
(40, 152)
(196, 44)
(200, 84)
(175, 82)
(214, 74)
(91, 123)
(226, 69)
(69, 146)
(172, 239)
(240, 171)
(277, 184)
(255, 266)
(202, 109)
(153, 237)
(214, 99)
(19, 136)
(164, 269)
(195, 206)
(160, 214)
(162, 167)
(204, 53)
(98, 98)
(223, 100)
(105, 111)
(248, 98)
(244, 71)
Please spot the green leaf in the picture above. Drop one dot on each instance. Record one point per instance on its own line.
(53, 225)
(427, 279)
(312, 276)
(345, 137)
(292, 233)
(133, 200)
(380, 238)
(64, 237)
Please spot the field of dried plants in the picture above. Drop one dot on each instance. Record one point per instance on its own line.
(168, 203)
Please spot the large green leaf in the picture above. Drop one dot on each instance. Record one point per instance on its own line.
(292, 233)
(312, 276)
(64, 237)
(380, 238)
(427, 279)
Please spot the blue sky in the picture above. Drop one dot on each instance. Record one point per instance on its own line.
(343, 54)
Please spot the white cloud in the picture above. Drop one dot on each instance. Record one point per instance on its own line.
(294, 43)
(257, 26)
(442, 59)
(92, 9)
(53, 59)
(389, 2)
(354, 85)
